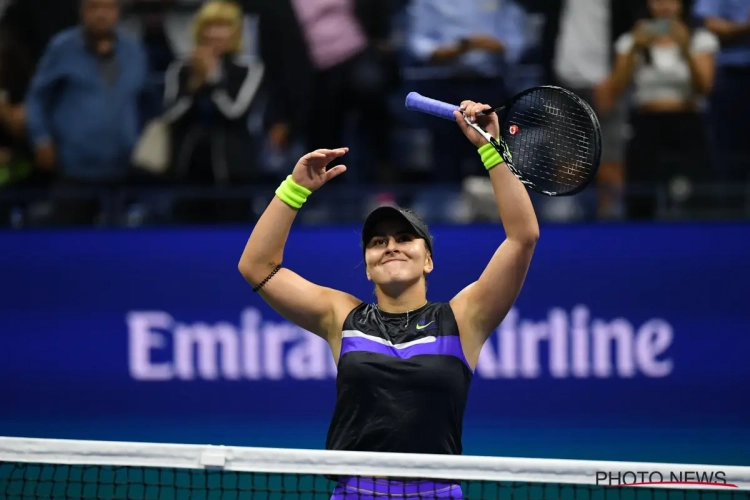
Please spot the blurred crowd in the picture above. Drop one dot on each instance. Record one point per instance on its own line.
(190, 111)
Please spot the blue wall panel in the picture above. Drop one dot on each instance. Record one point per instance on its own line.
(627, 343)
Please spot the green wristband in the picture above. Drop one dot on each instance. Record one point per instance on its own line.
(292, 193)
(490, 157)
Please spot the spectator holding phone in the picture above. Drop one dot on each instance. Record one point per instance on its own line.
(670, 67)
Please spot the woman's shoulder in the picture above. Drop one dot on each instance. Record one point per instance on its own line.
(444, 309)
(358, 312)
(177, 67)
(624, 43)
(704, 41)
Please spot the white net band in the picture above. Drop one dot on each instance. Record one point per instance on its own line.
(61, 469)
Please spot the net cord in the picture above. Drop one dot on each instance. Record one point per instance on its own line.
(322, 462)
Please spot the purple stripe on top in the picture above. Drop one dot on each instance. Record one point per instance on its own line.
(361, 488)
(445, 345)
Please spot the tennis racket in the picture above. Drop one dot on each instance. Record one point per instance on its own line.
(550, 138)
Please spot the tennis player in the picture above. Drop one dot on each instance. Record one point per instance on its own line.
(404, 364)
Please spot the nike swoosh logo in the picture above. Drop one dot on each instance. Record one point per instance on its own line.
(422, 327)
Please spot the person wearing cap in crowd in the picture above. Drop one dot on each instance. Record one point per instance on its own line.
(404, 363)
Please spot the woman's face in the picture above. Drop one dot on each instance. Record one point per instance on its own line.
(396, 255)
(218, 37)
(665, 9)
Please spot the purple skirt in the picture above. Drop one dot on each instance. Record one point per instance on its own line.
(361, 488)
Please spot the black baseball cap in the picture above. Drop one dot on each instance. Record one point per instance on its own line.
(388, 212)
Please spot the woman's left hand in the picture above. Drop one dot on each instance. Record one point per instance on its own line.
(680, 34)
(488, 122)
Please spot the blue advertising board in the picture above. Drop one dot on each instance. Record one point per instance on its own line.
(627, 342)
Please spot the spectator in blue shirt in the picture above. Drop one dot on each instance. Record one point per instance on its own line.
(83, 105)
(459, 50)
(729, 113)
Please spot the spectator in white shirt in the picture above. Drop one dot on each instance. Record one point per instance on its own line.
(670, 69)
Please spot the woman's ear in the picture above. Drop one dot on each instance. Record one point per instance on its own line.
(428, 264)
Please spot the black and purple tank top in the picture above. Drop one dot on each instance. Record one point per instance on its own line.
(402, 382)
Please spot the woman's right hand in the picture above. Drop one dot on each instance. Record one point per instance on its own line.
(642, 36)
(203, 61)
(310, 171)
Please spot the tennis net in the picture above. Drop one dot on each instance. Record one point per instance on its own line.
(33, 469)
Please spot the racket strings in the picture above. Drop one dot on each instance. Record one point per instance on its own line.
(555, 143)
(557, 139)
(569, 177)
(567, 149)
(556, 161)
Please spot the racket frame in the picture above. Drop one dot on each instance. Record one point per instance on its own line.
(597, 139)
(501, 146)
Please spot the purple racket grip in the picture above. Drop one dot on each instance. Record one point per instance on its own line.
(418, 102)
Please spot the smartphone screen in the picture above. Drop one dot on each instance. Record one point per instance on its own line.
(659, 26)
